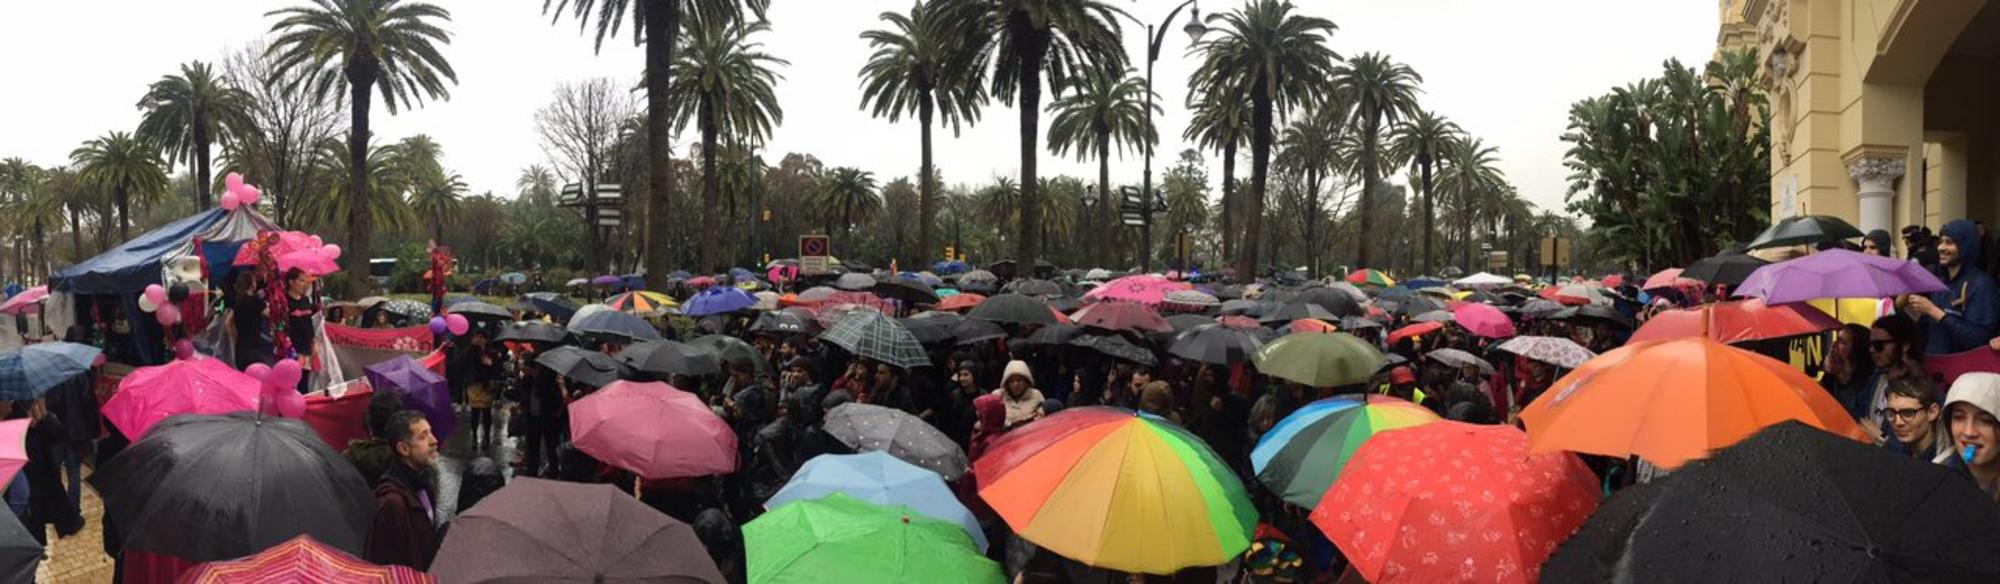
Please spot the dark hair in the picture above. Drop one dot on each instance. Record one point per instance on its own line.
(482, 478)
(1925, 395)
(382, 406)
(1857, 355)
(292, 275)
(399, 426)
(1902, 330)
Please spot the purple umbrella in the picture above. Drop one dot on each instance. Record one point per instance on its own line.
(606, 280)
(718, 300)
(422, 390)
(1838, 273)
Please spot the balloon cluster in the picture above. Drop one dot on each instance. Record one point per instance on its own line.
(164, 302)
(280, 395)
(239, 193)
(453, 323)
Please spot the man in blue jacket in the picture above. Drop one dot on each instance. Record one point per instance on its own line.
(1967, 313)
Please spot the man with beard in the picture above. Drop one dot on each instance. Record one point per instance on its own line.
(404, 530)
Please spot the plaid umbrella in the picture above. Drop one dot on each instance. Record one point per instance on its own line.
(867, 333)
(28, 372)
(873, 428)
(301, 559)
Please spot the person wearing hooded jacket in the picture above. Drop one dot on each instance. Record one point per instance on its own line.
(1017, 390)
(1967, 313)
(1970, 411)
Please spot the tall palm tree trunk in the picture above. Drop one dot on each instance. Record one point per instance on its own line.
(1260, 166)
(1032, 47)
(124, 199)
(1228, 197)
(1368, 180)
(1311, 217)
(711, 191)
(1108, 217)
(926, 189)
(360, 79)
(662, 24)
(1424, 166)
(75, 235)
(202, 177)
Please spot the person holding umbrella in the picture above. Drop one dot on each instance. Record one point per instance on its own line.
(478, 366)
(403, 530)
(1967, 313)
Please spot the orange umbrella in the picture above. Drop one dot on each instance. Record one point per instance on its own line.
(1313, 325)
(1422, 328)
(1676, 400)
(960, 301)
(1736, 321)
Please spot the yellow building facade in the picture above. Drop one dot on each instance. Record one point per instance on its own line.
(1883, 112)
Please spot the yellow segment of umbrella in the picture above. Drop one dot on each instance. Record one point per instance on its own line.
(641, 302)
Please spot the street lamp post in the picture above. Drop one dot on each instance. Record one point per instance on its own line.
(1194, 31)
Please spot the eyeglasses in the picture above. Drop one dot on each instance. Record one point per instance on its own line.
(1902, 413)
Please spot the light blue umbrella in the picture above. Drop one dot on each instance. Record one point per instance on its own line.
(718, 300)
(28, 372)
(877, 477)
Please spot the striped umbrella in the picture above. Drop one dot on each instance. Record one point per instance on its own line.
(1118, 490)
(1302, 455)
(302, 559)
(1370, 278)
(642, 302)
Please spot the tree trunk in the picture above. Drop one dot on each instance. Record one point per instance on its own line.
(1311, 217)
(1368, 181)
(711, 191)
(1260, 165)
(1031, 46)
(926, 189)
(1228, 198)
(75, 236)
(124, 200)
(1107, 213)
(202, 177)
(1424, 166)
(662, 24)
(360, 79)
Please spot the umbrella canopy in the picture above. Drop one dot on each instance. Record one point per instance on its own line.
(1215, 344)
(302, 559)
(30, 371)
(1116, 347)
(13, 457)
(612, 322)
(421, 389)
(1034, 287)
(1805, 230)
(621, 426)
(20, 554)
(1539, 308)
(1575, 294)
(728, 349)
(555, 305)
(1415, 305)
(1052, 335)
(584, 366)
(1144, 289)
(1838, 273)
(961, 301)
(1122, 316)
(855, 282)
(190, 386)
(1343, 300)
(1483, 320)
(1299, 458)
(1310, 325)
(514, 278)
(1460, 359)
(206, 488)
(1418, 329)
(906, 290)
(1119, 490)
(574, 282)
(1325, 360)
(664, 357)
(1669, 278)
(1791, 503)
(1482, 279)
(406, 308)
(641, 302)
(1557, 351)
(1298, 310)
(932, 328)
(25, 302)
(1370, 278)
(972, 330)
(868, 334)
(533, 331)
(1189, 301)
(783, 323)
(724, 300)
(1434, 316)
(1355, 323)
(477, 309)
(1725, 269)
(838, 538)
(1450, 501)
(878, 478)
(1736, 321)
(1182, 322)
(1013, 308)
(978, 276)
(535, 530)
(873, 428)
(1676, 400)
(1595, 314)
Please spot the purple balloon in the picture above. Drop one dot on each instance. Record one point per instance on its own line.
(438, 325)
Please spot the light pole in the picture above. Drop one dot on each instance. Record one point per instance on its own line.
(1194, 31)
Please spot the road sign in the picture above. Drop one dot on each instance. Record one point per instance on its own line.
(814, 254)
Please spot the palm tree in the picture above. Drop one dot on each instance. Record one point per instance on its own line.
(421, 156)
(188, 112)
(1382, 92)
(380, 197)
(537, 185)
(1423, 140)
(1279, 61)
(723, 84)
(359, 47)
(999, 204)
(40, 207)
(658, 25)
(926, 65)
(1108, 109)
(435, 195)
(1222, 123)
(1470, 175)
(1309, 147)
(119, 163)
(843, 191)
(1030, 38)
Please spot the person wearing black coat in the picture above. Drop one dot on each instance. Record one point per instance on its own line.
(48, 504)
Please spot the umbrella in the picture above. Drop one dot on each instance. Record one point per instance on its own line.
(1574, 294)
(1454, 502)
(13, 455)
(205, 488)
(728, 349)
(1215, 344)
(1300, 456)
(30, 371)
(1122, 316)
(421, 389)
(868, 334)
(301, 559)
(1182, 322)
(972, 330)
(906, 290)
(1355, 323)
(1339, 301)
(664, 357)
(1484, 297)
(1555, 351)
(20, 554)
(477, 309)
(641, 302)
(1416, 305)
(612, 322)
(873, 428)
(1598, 314)
(1460, 359)
(1805, 230)
(587, 367)
(1296, 311)
(1668, 279)
(1118, 490)
(878, 478)
(1539, 308)
(516, 278)
(1725, 269)
(1736, 321)
(1034, 287)
(1673, 401)
(409, 309)
(1310, 325)
(1838, 273)
(721, 300)
(1370, 278)
(932, 329)
(978, 276)
(605, 280)
(1418, 329)
(1434, 316)
(837, 538)
(533, 331)
(1117, 347)
(1189, 301)
(1013, 308)
(191, 386)
(1326, 360)
(854, 282)
(1240, 307)
(1791, 503)
(1055, 334)
(26, 301)
(534, 530)
(1482, 279)
(783, 323)
(701, 282)
(620, 425)
(555, 305)
(1483, 320)
(1439, 292)
(574, 282)
(962, 301)
(1143, 289)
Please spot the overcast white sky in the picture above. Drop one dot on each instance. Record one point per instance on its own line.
(1504, 70)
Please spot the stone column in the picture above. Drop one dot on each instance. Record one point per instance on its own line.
(1875, 178)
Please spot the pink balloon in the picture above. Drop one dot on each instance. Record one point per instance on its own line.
(168, 314)
(156, 294)
(286, 374)
(233, 181)
(315, 240)
(183, 349)
(249, 195)
(283, 402)
(457, 323)
(258, 371)
(331, 251)
(99, 361)
(230, 201)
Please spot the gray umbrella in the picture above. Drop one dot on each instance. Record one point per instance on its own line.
(1117, 347)
(1215, 344)
(1055, 334)
(868, 334)
(1033, 287)
(1457, 358)
(1013, 308)
(534, 530)
(1435, 316)
(587, 367)
(668, 358)
(855, 282)
(1298, 310)
(873, 428)
(477, 309)
(728, 349)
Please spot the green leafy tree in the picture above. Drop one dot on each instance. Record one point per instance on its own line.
(723, 84)
(436, 195)
(846, 195)
(1107, 111)
(380, 196)
(927, 64)
(1423, 139)
(1381, 92)
(124, 166)
(537, 185)
(1221, 122)
(1471, 177)
(1311, 147)
(1186, 187)
(187, 113)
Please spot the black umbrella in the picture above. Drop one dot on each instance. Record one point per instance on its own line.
(1805, 230)
(1298, 310)
(728, 349)
(1415, 305)
(932, 328)
(1215, 344)
(533, 331)
(1014, 308)
(1051, 335)
(612, 322)
(1540, 308)
(534, 530)
(1485, 297)
(668, 358)
(855, 282)
(20, 554)
(477, 309)
(1791, 503)
(1334, 301)
(906, 290)
(1066, 304)
(1230, 292)
(1727, 269)
(1183, 322)
(1237, 306)
(205, 488)
(973, 330)
(555, 305)
(1034, 287)
(1354, 323)
(1602, 314)
(586, 367)
(784, 323)
(1117, 347)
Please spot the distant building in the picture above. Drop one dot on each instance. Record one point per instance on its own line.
(1883, 112)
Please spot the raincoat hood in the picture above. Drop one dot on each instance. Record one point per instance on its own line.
(1982, 390)
(1017, 367)
(1966, 235)
(992, 412)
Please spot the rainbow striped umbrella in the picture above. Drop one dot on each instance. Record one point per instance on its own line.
(641, 302)
(1303, 453)
(1370, 278)
(302, 559)
(1117, 489)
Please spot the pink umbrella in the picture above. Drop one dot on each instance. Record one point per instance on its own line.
(25, 301)
(1483, 320)
(13, 448)
(653, 430)
(1669, 278)
(1143, 289)
(310, 261)
(288, 242)
(192, 386)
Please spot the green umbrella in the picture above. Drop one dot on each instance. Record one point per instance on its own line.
(1320, 359)
(838, 538)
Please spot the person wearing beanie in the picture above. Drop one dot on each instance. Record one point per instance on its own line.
(1967, 313)
(1877, 242)
(1017, 390)
(1975, 432)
